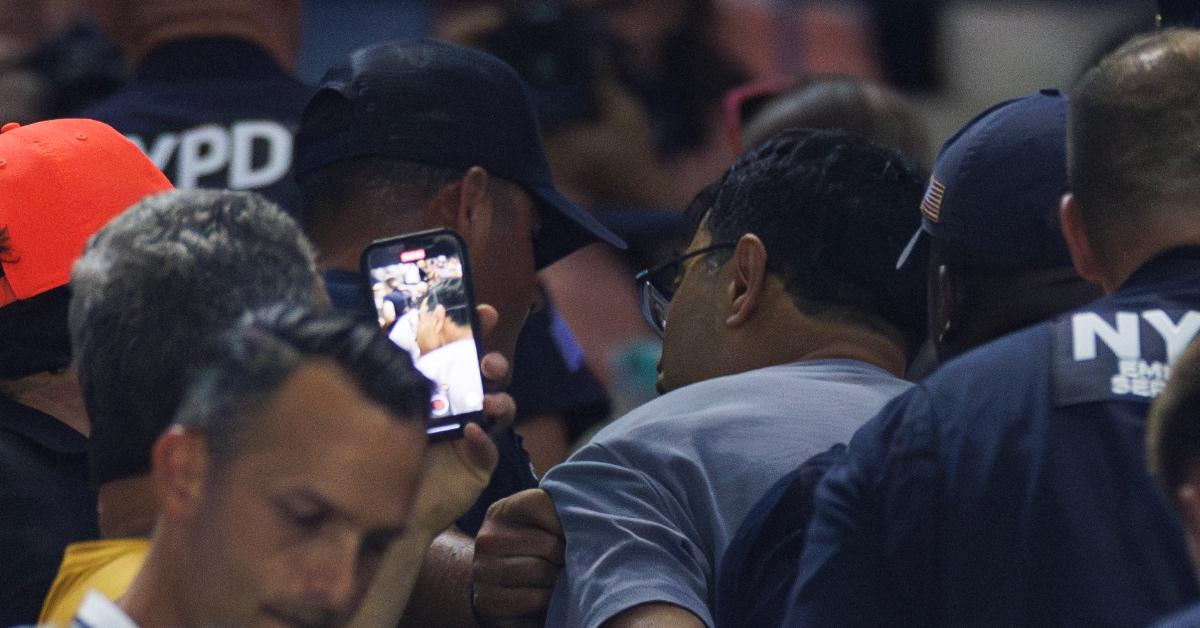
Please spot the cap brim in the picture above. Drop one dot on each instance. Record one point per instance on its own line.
(907, 253)
(566, 228)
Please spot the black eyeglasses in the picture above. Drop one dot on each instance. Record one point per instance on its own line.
(656, 286)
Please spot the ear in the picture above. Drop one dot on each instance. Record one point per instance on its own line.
(1083, 253)
(473, 216)
(180, 465)
(439, 318)
(749, 266)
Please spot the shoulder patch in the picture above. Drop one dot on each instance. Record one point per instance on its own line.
(1117, 356)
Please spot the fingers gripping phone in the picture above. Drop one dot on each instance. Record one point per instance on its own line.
(420, 284)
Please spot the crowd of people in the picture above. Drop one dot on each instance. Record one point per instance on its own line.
(893, 389)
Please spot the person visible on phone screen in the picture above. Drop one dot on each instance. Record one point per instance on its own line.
(408, 136)
(448, 354)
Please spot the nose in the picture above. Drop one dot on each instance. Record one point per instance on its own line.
(333, 576)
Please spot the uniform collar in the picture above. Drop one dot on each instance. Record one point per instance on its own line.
(216, 57)
(1170, 264)
(40, 427)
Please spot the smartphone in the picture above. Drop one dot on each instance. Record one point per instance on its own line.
(420, 284)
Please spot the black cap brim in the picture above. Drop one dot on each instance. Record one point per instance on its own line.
(566, 228)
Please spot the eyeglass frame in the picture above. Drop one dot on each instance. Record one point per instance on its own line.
(650, 295)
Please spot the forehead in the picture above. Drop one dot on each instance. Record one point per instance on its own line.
(320, 434)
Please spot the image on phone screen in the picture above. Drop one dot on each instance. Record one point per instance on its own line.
(421, 293)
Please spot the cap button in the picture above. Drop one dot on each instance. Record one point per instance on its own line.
(10, 126)
(81, 136)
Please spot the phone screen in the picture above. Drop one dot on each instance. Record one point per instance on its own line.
(421, 289)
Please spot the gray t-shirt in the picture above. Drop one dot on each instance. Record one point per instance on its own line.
(649, 505)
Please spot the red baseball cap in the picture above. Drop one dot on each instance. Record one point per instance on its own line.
(60, 182)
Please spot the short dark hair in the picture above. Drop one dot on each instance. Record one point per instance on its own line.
(246, 365)
(1173, 424)
(373, 191)
(389, 185)
(152, 287)
(33, 332)
(1134, 134)
(834, 212)
(452, 294)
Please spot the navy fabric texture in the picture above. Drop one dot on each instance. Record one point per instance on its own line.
(213, 113)
(760, 563)
(1187, 618)
(1010, 487)
(46, 503)
(551, 378)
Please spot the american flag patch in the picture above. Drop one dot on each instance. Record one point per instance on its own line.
(931, 205)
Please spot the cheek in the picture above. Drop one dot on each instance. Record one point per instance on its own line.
(233, 557)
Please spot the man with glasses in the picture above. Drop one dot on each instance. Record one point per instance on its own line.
(785, 326)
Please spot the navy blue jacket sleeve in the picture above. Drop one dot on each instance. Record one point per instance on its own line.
(759, 566)
(889, 475)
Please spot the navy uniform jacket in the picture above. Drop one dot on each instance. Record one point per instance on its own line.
(46, 503)
(1010, 488)
(213, 113)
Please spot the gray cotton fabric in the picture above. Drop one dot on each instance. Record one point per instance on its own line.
(649, 505)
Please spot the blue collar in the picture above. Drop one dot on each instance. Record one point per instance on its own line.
(40, 428)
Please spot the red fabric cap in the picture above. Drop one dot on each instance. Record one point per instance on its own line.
(60, 182)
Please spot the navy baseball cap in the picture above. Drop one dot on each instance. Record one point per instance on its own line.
(994, 195)
(447, 106)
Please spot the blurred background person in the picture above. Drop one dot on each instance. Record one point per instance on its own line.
(1173, 455)
(61, 181)
(212, 97)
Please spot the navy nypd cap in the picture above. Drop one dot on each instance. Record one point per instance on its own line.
(993, 198)
(443, 105)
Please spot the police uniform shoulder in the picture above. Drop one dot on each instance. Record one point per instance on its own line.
(999, 356)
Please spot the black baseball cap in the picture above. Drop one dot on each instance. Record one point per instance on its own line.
(1184, 13)
(443, 105)
(996, 187)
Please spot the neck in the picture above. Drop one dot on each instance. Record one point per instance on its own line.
(56, 394)
(127, 507)
(454, 333)
(999, 306)
(809, 339)
(874, 349)
(153, 599)
(1133, 251)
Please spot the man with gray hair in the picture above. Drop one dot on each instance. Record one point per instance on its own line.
(292, 464)
(153, 286)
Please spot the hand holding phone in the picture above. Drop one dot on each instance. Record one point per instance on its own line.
(421, 287)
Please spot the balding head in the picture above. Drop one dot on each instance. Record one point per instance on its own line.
(1134, 145)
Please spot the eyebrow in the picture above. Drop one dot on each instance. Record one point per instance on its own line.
(321, 502)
